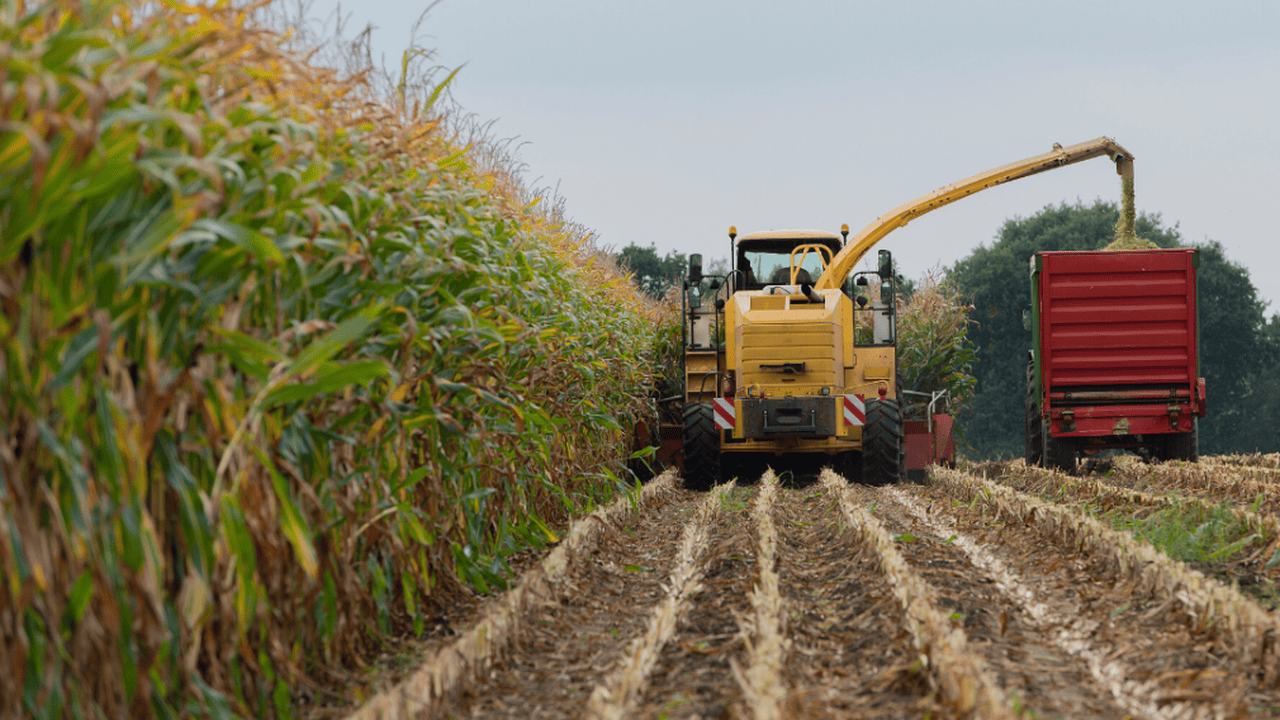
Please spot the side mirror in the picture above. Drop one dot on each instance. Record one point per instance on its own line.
(695, 268)
(886, 265)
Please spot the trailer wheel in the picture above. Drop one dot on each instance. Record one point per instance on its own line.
(701, 446)
(1183, 446)
(1059, 453)
(1035, 430)
(882, 443)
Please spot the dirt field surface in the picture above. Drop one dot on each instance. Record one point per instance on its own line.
(975, 595)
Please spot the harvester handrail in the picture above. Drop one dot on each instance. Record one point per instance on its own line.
(804, 251)
(861, 243)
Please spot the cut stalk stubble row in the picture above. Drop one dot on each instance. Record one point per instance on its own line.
(961, 677)
(1208, 495)
(616, 697)
(1068, 628)
(1242, 484)
(761, 682)
(447, 670)
(1242, 626)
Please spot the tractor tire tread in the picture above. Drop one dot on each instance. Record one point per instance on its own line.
(1034, 429)
(882, 447)
(701, 449)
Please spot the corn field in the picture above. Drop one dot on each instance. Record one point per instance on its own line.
(280, 371)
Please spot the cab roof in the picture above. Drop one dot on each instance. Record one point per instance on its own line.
(790, 235)
(782, 241)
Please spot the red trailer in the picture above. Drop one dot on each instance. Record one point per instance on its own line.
(1115, 355)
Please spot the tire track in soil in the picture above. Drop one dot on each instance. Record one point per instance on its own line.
(693, 677)
(578, 635)
(1032, 669)
(849, 656)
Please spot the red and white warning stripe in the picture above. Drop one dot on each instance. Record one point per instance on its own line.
(855, 411)
(724, 413)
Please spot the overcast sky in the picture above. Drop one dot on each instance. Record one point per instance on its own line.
(665, 122)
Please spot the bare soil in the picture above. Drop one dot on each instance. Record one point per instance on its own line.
(1054, 628)
(1143, 647)
(693, 677)
(850, 656)
(580, 634)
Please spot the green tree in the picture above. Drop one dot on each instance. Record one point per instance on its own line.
(652, 273)
(1233, 347)
(995, 278)
(1260, 403)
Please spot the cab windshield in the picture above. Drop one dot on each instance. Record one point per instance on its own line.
(766, 267)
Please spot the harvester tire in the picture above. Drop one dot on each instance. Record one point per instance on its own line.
(701, 446)
(882, 450)
(1035, 431)
(1183, 446)
(1059, 453)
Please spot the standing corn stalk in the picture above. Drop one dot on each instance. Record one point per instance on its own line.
(934, 349)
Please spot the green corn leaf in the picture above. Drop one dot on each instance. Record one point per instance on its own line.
(248, 238)
(81, 593)
(292, 524)
(331, 379)
(412, 479)
(238, 537)
(81, 346)
(331, 342)
(416, 530)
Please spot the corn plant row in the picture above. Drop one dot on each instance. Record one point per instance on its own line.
(761, 681)
(277, 370)
(616, 697)
(1099, 495)
(442, 674)
(961, 677)
(1242, 626)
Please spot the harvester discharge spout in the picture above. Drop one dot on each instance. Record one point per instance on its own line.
(1059, 156)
